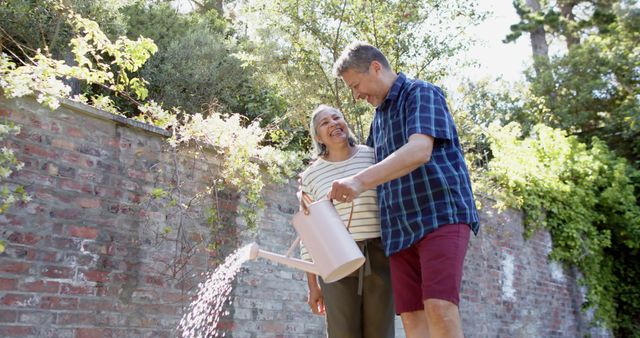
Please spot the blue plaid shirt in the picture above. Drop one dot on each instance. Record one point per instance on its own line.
(438, 192)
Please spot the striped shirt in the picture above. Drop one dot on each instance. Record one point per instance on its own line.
(317, 180)
(436, 193)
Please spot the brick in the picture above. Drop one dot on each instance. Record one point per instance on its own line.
(96, 276)
(161, 309)
(129, 185)
(53, 271)
(24, 238)
(107, 263)
(37, 151)
(55, 127)
(20, 300)
(58, 303)
(78, 160)
(89, 150)
(65, 213)
(31, 136)
(40, 286)
(64, 243)
(76, 319)
(72, 185)
(44, 318)
(132, 173)
(30, 176)
(94, 248)
(71, 289)
(89, 203)
(154, 280)
(14, 267)
(83, 232)
(8, 316)
(47, 256)
(75, 133)
(92, 333)
(90, 304)
(90, 176)
(17, 331)
(8, 284)
(108, 167)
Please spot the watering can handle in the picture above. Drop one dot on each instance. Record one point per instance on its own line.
(306, 199)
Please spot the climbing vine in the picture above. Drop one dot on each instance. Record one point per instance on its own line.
(586, 198)
(9, 193)
(246, 165)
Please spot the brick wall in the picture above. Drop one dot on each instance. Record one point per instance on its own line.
(86, 257)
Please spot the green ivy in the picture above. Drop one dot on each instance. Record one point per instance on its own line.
(585, 197)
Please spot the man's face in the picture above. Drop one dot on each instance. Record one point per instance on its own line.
(367, 85)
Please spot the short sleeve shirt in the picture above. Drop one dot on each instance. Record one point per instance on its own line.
(439, 191)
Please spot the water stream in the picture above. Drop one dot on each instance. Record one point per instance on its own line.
(203, 315)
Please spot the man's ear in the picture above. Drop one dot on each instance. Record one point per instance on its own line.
(375, 66)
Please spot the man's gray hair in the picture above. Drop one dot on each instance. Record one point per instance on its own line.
(358, 56)
(319, 149)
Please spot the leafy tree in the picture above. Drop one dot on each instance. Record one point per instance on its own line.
(197, 67)
(589, 89)
(592, 88)
(295, 43)
(28, 25)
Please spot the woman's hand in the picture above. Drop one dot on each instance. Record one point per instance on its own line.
(315, 299)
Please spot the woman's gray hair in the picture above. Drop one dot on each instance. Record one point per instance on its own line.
(358, 57)
(319, 149)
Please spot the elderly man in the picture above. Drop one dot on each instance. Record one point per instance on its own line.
(427, 209)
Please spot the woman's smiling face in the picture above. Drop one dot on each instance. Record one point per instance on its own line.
(331, 128)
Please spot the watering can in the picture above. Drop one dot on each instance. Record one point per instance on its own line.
(334, 252)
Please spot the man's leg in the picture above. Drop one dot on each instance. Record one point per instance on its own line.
(442, 255)
(415, 324)
(407, 292)
(443, 319)
(431, 269)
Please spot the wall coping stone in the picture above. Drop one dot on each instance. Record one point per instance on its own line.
(104, 115)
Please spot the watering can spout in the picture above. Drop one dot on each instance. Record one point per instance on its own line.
(255, 252)
(334, 253)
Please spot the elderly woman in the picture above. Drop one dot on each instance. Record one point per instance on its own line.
(361, 304)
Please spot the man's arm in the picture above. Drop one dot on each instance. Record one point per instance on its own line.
(403, 161)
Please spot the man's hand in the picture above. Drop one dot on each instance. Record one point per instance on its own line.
(345, 190)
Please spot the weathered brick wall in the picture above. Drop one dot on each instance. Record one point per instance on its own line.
(84, 258)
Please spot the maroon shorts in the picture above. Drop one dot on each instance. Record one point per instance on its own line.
(430, 268)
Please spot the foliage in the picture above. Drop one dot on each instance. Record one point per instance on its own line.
(478, 105)
(9, 193)
(98, 61)
(196, 67)
(41, 24)
(241, 151)
(568, 19)
(589, 89)
(295, 43)
(592, 87)
(595, 91)
(585, 197)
